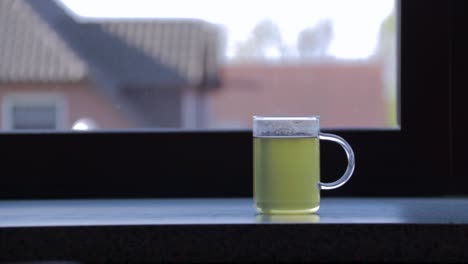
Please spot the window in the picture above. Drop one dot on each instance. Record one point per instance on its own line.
(416, 160)
(33, 117)
(201, 68)
(33, 111)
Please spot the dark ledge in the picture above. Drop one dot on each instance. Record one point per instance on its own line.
(229, 230)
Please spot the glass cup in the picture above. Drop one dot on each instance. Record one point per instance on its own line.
(287, 164)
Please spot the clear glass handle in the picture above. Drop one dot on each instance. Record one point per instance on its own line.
(349, 170)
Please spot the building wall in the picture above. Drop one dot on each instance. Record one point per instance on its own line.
(82, 100)
(344, 95)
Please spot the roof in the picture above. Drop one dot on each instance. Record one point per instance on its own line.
(31, 51)
(45, 44)
(182, 44)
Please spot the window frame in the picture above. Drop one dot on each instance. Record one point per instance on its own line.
(416, 160)
(11, 100)
(459, 181)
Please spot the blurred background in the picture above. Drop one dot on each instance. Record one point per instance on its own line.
(205, 64)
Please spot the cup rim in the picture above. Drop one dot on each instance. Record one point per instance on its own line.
(285, 118)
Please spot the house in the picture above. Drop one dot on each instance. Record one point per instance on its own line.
(55, 71)
(343, 94)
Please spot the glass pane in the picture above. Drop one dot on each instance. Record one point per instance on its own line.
(34, 117)
(203, 64)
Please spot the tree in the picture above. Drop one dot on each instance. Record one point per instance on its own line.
(264, 42)
(314, 41)
(386, 53)
(266, 33)
(387, 36)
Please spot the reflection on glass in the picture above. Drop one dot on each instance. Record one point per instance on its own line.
(210, 64)
(306, 218)
(84, 124)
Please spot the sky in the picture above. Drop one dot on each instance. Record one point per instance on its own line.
(355, 22)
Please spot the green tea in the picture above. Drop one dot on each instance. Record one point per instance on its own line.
(286, 174)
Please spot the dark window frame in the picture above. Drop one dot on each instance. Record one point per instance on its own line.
(414, 161)
(459, 180)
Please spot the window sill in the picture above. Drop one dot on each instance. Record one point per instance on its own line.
(219, 229)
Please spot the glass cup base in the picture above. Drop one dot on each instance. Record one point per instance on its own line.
(287, 211)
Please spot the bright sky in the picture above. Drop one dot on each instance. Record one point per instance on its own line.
(355, 22)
